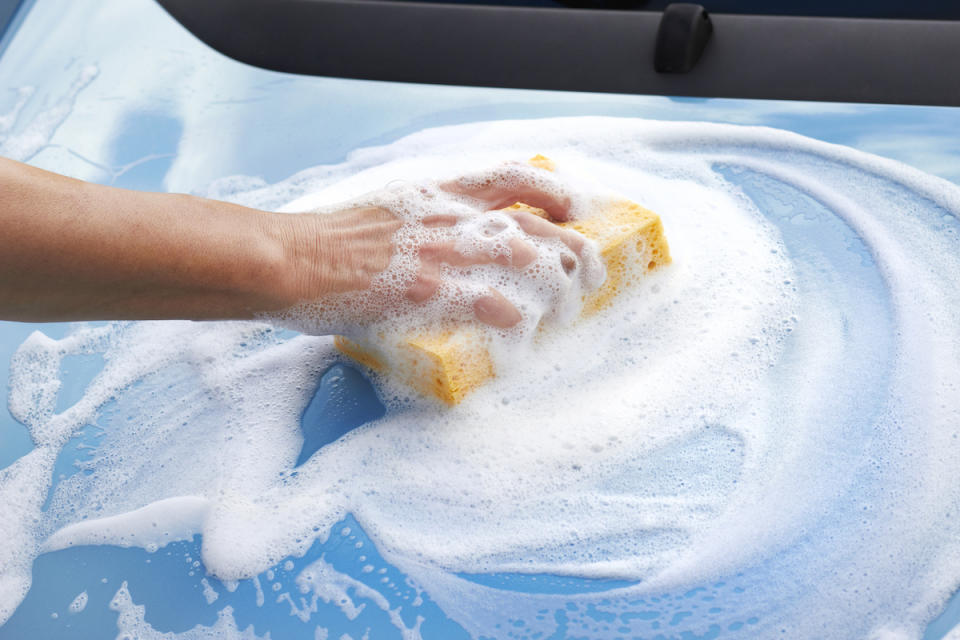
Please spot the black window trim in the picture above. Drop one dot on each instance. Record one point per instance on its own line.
(870, 60)
(749, 56)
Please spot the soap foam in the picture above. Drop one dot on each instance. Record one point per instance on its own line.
(79, 603)
(746, 407)
(132, 624)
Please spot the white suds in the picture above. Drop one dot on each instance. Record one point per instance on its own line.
(209, 593)
(79, 603)
(784, 398)
(131, 624)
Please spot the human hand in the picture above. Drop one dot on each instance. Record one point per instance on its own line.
(436, 252)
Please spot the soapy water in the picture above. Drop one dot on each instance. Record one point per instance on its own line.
(780, 404)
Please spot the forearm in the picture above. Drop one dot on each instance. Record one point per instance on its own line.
(71, 250)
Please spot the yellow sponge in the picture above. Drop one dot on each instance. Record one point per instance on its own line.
(450, 364)
(446, 365)
(629, 236)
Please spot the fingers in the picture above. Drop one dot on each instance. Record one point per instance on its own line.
(487, 234)
(557, 207)
(537, 226)
(426, 284)
(441, 220)
(521, 255)
(515, 182)
(491, 308)
(495, 310)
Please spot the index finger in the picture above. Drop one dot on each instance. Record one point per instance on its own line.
(537, 226)
(515, 182)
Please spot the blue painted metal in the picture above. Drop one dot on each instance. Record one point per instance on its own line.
(140, 151)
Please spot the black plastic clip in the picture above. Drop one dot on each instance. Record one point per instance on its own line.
(683, 33)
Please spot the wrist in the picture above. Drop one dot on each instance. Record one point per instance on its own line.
(246, 260)
(330, 253)
(300, 241)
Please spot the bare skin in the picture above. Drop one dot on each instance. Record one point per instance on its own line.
(72, 250)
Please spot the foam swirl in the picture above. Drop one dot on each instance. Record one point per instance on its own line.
(783, 402)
